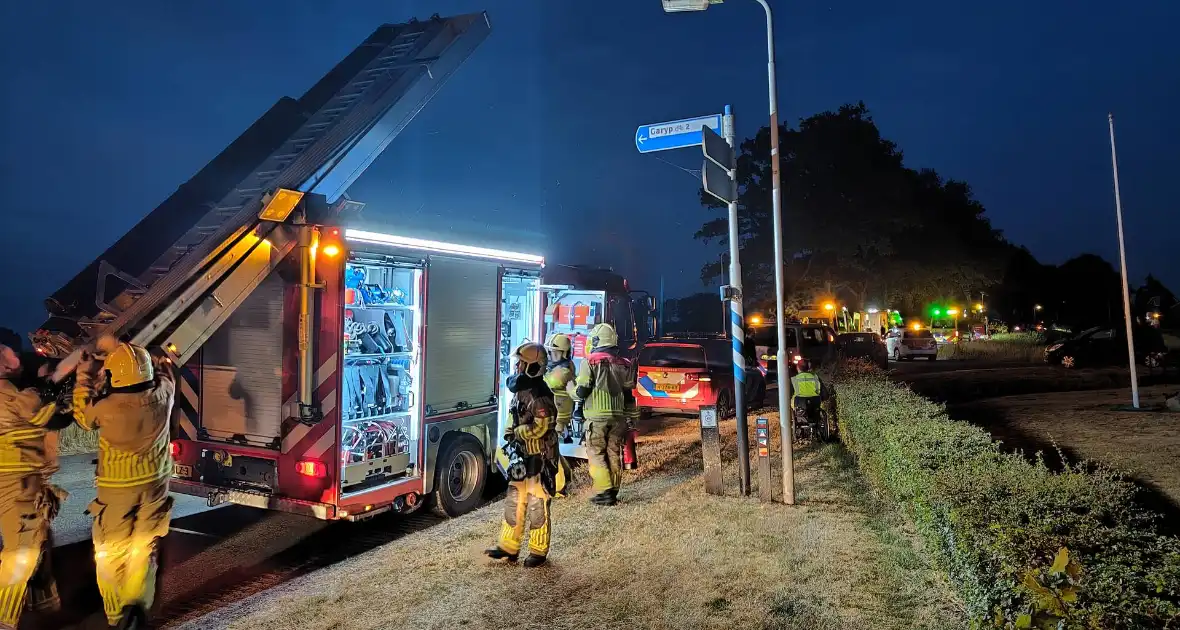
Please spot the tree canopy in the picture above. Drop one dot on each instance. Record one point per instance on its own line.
(858, 224)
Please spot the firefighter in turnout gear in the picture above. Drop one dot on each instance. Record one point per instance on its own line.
(559, 374)
(606, 390)
(127, 398)
(28, 502)
(535, 480)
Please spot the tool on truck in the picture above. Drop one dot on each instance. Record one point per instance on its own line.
(322, 370)
(577, 299)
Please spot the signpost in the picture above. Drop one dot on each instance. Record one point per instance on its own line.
(675, 134)
(719, 179)
(711, 450)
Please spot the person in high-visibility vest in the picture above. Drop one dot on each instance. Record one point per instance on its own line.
(127, 397)
(606, 385)
(534, 415)
(806, 388)
(28, 502)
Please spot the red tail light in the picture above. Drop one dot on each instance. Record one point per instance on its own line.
(693, 377)
(174, 449)
(312, 468)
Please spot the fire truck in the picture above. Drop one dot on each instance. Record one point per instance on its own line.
(321, 369)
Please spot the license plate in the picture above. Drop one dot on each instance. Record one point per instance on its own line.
(667, 387)
(180, 470)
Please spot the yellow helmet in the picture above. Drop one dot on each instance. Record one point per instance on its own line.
(533, 356)
(128, 365)
(603, 336)
(560, 343)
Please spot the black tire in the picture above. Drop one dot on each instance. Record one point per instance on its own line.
(724, 403)
(896, 354)
(460, 474)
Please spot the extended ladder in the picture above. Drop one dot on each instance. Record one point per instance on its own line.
(332, 134)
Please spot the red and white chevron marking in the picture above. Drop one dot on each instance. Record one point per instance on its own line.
(313, 441)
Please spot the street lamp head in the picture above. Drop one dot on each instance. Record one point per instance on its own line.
(1038, 307)
(829, 307)
(755, 320)
(677, 6)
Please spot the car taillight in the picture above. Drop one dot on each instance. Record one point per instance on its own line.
(174, 449)
(692, 377)
(312, 468)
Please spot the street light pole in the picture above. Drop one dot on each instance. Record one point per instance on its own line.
(784, 383)
(1118, 213)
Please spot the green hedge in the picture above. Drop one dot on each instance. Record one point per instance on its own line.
(1025, 547)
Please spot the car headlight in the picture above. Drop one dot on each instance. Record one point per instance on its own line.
(1054, 347)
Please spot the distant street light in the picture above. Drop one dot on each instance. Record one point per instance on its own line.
(755, 320)
(784, 383)
(952, 311)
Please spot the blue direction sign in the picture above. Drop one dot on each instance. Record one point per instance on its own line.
(676, 134)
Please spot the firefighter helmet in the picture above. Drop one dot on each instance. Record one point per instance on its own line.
(559, 343)
(128, 365)
(533, 357)
(603, 336)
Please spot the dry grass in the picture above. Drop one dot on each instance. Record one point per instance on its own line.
(1086, 425)
(668, 557)
(74, 440)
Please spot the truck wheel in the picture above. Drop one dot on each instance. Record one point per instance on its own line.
(460, 474)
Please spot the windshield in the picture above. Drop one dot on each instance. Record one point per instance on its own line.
(1087, 332)
(669, 356)
(917, 334)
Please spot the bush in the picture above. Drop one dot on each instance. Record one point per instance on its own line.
(1025, 546)
(1021, 338)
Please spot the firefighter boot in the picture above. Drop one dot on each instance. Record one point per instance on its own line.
(134, 618)
(534, 561)
(496, 553)
(606, 497)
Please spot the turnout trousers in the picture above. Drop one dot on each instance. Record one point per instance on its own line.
(604, 440)
(128, 524)
(24, 528)
(527, 502)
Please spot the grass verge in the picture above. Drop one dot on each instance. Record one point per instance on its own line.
(997, 523)
(669, 556)
(992, 350)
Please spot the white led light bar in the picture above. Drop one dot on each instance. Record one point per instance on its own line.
(378, 238)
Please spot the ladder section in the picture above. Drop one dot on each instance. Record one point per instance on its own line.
(390, 74)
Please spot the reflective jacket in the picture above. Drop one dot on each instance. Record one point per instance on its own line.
(22, 430)
(558, 378)
(805, 385)
(533, 419)
(605, 385)
(133, 433)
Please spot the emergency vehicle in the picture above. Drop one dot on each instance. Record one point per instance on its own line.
(321, 370)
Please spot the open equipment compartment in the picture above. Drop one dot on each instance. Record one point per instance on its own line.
(381, 399)
(520, 315)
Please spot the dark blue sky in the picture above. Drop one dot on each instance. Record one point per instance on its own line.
(108, 107)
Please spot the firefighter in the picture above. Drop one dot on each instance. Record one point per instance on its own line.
(27, 501)
(558, 375)
(534, 415)
(124, 395)
(605, 389)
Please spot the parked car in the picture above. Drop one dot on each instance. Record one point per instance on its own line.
(905, 344)
(1107, 345)
(863, 345)
(814, 342)
(682, 373)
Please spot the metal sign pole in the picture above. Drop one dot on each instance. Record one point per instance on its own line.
(711, 450)
(736, 322)
(1118, 213)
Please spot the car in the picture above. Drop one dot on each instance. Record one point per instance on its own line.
(680, 374)
(814, 342)
(906, 344)
(1107, 345)
(863, 345)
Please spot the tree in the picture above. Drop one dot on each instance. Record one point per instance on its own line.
(858, 224)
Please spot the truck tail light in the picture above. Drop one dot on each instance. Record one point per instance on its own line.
(174, 449)
(312, 468)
